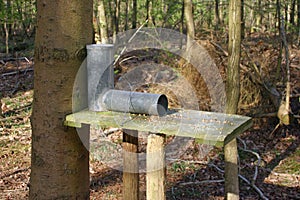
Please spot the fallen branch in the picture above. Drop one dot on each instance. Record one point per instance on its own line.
(202, 182)
(220, 48)
(14, 59)
(11, 118)
(15, 172)
(16, 72)
(132, 37)
(262, 196)
(254, 153)
(274, 114)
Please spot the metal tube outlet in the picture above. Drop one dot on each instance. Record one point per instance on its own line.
(102, 97)
(135, 102)
(100, 73)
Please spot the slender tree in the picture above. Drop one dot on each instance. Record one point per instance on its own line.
(298, 15)
(217, 14)
(102, 22)
(292, 15)
(233, 93)
(59, 160)
(134, 13)
(188, 13)
(127, 10)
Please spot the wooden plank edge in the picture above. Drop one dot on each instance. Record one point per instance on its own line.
(242, 128)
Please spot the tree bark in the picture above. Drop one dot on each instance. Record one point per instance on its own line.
(233, 94)
(298, 21)
(292, 13)
(149, 12)
(102, 22)
(59, 160)
(217, 15)
(134, 14)
(298, 14)
(127, 9)
(188, 13)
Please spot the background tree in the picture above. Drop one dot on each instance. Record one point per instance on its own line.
(59, 161)
(188, 13)
(134, 14)
(102, 22)
(233, 94)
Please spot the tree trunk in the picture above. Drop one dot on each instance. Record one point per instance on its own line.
(298, 21)
(292, 13)
(298, 14)
(188, 13)
(252, 17)
(118, 5)
(233, 93)
(102, 22)
(259, 18)
(6, 38)
(278, 15)
(134, 13)
(127, 9)
(217, 15)
(59, 160)
(242, 19)
(149, 12)
(221, 13)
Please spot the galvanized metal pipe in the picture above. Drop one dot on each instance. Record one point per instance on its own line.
(102, 97)
(135, 102)
(100, 73)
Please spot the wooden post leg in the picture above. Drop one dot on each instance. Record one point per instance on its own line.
(131, 167)
(156, 167)
(231, 171)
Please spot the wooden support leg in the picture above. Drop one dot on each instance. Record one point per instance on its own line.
(131, 167)
(231, 171)
(156, 169)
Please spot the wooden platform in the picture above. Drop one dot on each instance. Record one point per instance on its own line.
(207, 127)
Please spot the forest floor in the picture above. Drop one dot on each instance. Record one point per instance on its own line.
(191, 176)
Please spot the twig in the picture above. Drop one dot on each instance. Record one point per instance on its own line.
(15, 172)
(274, 114)
(254, 153)
(10, 118)
(227, 54)
(124, 49)
(245, 180)
(16, 72)
(219, 47)
(202, 182)
(111, 131)
(262, 196)
(14, 59)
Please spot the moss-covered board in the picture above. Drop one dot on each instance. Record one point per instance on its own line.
(207, 127)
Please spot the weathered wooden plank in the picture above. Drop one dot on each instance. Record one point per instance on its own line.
(207, 127)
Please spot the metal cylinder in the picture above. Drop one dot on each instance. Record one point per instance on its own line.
(135, 102)
(100, 73)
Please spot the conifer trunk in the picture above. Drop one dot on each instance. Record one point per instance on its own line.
(59, 161)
